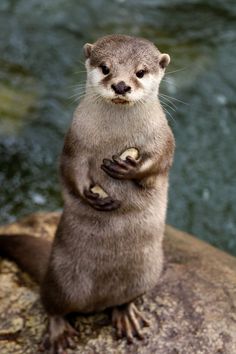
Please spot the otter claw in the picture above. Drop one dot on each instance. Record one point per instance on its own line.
(59, 337)
(128, 322)
(101, 204)
(120, 169)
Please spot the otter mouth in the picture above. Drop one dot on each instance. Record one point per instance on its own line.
(119, 100)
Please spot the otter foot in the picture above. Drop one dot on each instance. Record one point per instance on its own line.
(128, 322)
(98, 203)
(121, 169)
(59, 336)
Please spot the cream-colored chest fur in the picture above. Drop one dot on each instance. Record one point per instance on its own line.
(103, 127)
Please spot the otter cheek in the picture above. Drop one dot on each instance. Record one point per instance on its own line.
(147, 82)
(95, 77)
(137, 94)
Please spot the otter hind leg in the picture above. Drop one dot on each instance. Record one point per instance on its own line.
(129, 322)
(58, 337)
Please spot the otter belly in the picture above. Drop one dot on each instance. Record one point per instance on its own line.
(119, 278)
(130, 279)
(117, 257)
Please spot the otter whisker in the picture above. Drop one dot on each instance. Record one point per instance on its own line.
(168, 100)
(167, 105)
(80, 71)
(169, 82)
(176, 99)
(77, 96)
(80, 90)
(175, 71)
(78, 86)
(166, 110)
(83, 94)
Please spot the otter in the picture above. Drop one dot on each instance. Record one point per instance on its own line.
(114, 168)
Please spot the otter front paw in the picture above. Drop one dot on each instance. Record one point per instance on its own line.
(119, 168)
(100, 200)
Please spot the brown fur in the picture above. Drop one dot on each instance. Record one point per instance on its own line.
(100, 260)
(124, 48)
(30, 253)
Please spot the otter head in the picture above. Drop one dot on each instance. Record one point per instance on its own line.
(123, 69)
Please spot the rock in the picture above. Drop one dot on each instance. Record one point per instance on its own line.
(192, 309)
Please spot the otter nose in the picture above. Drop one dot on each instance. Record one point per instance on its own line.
(121, 88)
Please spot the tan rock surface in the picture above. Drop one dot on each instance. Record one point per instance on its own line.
(192, 309)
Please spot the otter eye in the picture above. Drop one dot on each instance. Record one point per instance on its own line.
(105, 69)
(140, 74)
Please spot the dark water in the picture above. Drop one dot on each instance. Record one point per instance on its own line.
(40, 56)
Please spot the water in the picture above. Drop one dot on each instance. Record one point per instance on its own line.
(40, 60)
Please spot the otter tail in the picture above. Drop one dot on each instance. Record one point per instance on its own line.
(31, 254)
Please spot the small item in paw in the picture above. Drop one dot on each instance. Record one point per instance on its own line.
(105, 203)
(132, 152)
(124, 166)
(98, 190)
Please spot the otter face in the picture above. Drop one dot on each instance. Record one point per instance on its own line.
(123, 69)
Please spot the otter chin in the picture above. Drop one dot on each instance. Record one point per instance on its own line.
(119, 100)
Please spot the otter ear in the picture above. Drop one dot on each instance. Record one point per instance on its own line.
(164, 60)
(87, 50)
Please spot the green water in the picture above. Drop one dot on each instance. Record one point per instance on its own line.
(40, 60)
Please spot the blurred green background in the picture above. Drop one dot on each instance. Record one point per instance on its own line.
(41, 61)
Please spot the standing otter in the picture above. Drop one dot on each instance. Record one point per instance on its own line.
(108, 246)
